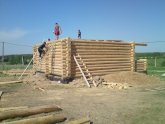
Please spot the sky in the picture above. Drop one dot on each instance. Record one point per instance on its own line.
(29, 22)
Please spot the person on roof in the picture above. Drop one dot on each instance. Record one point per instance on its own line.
(57, 30)
(79, 34)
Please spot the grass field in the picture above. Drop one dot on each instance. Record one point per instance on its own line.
(9, 67)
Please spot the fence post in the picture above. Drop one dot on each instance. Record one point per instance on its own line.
(155, 62)
(3, 49)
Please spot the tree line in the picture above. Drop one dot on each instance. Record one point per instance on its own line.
(17, 59)
(25, 58)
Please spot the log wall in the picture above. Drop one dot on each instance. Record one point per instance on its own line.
(100, 56)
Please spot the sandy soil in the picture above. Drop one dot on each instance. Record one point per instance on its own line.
(102, 104)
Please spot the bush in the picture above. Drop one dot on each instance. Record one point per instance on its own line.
(163, 63)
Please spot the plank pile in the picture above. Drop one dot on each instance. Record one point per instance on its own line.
(141, 65)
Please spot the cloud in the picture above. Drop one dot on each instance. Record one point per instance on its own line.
(12, 35)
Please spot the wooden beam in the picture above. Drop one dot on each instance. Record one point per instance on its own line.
(140, 44)
(13, 108)
(47, 119)
(1, 92)
(28, 111)
(80, 121)
(10, 82)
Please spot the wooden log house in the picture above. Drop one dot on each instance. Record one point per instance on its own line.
(99, 57)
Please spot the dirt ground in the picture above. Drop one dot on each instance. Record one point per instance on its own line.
(103, 105)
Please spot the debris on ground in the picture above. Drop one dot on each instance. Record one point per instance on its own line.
(120, 80)
(132, 78)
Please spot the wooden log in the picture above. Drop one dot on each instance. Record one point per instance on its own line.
(104, 56)
(140, 44)
(47, 119)
(100, 47)
(10, 82)
(97, 73)
(111, 65)
(96, 50)
(1, 92)
(103, 62)
(80, 121)
(13, 108)
(28, 111)
(105, 68)
(98, 42)
(104, 59)
(102, 71)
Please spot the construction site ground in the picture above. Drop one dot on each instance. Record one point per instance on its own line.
(138, 99)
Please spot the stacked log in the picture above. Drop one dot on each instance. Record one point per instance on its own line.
(101, 57)
(141, 65)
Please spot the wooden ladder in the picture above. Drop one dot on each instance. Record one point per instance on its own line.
(84, 71)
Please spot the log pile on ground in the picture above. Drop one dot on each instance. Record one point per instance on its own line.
(46, 114)
(38, 119)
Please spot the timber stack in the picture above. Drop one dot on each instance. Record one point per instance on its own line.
(100, 57)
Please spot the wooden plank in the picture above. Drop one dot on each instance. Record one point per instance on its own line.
(13, 108)
(47, 119)
(10, 82)
(1, 92)
(81, 71)
(97, 50)
(102, 71)
(88, 46)
(28, 111)
(104, 56)
(98, 42)
(104, 53)
(107, 64)
(140, 44)
(105, 59)
(80, 121)
(105, 68)
(103, 62)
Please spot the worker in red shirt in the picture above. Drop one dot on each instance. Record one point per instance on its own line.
(57, 30)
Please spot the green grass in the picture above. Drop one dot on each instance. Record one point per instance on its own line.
(156, 71)
(9, 67)
(152, 110)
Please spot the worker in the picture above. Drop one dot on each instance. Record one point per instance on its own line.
(57, 30)
(79, 34)
(48, 39)
(41, 49)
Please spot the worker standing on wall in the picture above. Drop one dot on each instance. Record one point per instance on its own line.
(57, 30)
(79, 34)
(41, 49)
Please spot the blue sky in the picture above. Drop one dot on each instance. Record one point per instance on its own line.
(31, 21)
